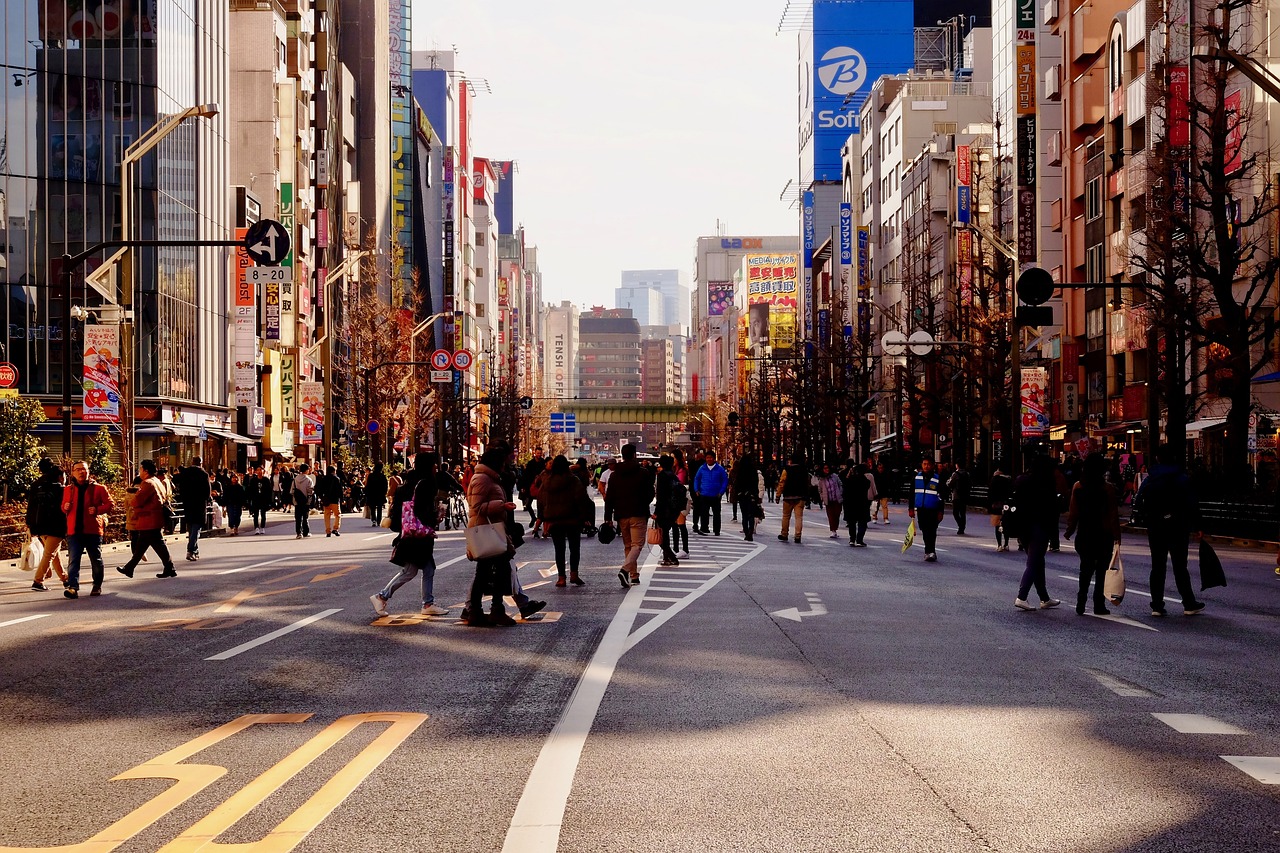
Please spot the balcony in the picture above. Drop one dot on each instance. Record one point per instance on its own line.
(1088, 99)
(298, 51)
(1053, 149)
(1135, 99)
(1137, 250)
(1135, 25)
(1089, 25)
(1117, 252)
(1050, 11)
(1053, 82)
(1136, 175)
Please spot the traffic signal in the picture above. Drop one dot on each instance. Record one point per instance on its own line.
(733, 419)
(1034, 287)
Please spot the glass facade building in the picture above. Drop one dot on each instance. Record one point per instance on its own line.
(82, 80)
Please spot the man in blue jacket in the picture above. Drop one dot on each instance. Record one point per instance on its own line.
(926, 506)
(709, 484)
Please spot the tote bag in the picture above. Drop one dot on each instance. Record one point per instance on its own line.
(1113, 586)
(487, 540)
(410, 526)
(654, 536)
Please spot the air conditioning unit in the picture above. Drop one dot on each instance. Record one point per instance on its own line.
(1050, 11)
(1053, 83)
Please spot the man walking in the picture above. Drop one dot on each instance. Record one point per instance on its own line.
(1167, 503)
(630, 492)
(926, 507)
(329, 494)
(958, 486)
(148, 523)
(303, 487)
(259, 492)
(193, 491)
(84, 502)
(794, 487)
(885, 487)
(709, 484)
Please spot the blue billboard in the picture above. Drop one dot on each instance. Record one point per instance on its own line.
(855, 42)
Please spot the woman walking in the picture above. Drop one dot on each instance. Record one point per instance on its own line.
(487, 504)
(1095, 514)
(560, 500)
(748, 488)
(375, 487)
(999, 490)
(233, 498)
(859, 496)
(416, 554)
(46, 521)
(831, 495)
(1036, 497)
(680, 530)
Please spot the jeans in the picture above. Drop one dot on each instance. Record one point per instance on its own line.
(234, 516)
(301, 519)
(375, 514)
(748, 507)
(632, 531)
(960, 512)
(78, 544)
(571, 535)
(333, 511)
(259, 516)
(927, 521)
(790, 507)
(144, 539)
(710, 510)
(194, 525)
(1171, 545)
(1094, 559)
(1037, 542)
(428, 571)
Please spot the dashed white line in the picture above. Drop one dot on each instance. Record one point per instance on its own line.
(23, 619)
(255, 566)
(266, 638)
(378, 536)
(1263, 768)
(1198, 724)
(1118, 687)
(661, 598)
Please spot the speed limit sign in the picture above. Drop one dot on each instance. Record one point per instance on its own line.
(441, 359)
(462, 359)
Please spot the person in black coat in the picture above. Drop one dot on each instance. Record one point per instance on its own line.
(192, 483)
(329, 495)
(415, 554)
(258, 495)
(46, 520)
(234, 496)
(375, 488)
(1035, 496)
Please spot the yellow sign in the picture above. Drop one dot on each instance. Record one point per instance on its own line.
(9, 394)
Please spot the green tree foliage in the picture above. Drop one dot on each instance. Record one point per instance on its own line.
(19, 450)
(102, 458)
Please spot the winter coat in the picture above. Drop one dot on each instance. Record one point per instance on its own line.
(560, 499)
(664, 507)
(1097, 517)
(486, 500)
(630, 491)
(258, 492)
(329, 489)
(148, 506)
(794, 483)
(233, 495)
(417, 550)
(375, 486)
(193, 490)
(97, 503)
(711, 481)
(830, 490)
(44, 506)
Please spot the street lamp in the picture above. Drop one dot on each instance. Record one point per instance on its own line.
(135, 152)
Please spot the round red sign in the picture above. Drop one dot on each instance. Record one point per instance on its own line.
(8, 375)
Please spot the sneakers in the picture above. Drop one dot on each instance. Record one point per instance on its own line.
(931, 557)
(337, 533)
(191, 558)
(530, 608)
(622, 578)
(684, 555)
(635, 580)
(299, 536)
(71, 592)
(379, 604)
(327, 534)
(886, 521)
(1049, 602)
(1158, 611)
(1193, 608)
(834, 536)
(1022, 604)
(434, 610)
(39, 587)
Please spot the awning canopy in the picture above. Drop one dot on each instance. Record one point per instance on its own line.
(1195, 427)
(884, 443)
(231, 436)
(1125, 427)
(1268, 377)
(53, 426)
(179, 430)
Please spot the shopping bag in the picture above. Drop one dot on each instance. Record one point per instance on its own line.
(654, 536)
(1211, 573)
(487, 540)
(910, 537)
(1113, 585)
(218, 517)
(32, 554)
(386, 521)
(410, 526)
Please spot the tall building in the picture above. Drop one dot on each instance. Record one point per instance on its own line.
(561, 344)
(609, 368)
(658, 383)
(655, 297)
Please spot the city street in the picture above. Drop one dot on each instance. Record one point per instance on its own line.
(760, 696)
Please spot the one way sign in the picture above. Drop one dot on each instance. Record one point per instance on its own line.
(267, 242)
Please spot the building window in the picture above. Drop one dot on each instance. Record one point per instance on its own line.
(1093, 201)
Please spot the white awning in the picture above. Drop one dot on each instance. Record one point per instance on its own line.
(1194, 428)
(883, 443)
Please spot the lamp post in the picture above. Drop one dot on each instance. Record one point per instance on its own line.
(135, 152)
(410, 433)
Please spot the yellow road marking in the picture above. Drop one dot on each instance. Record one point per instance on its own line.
(328, 576)
(248, 595)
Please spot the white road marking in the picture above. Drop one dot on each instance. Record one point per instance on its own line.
(1263, 768)
(1198, 724)
(448, 563)
(651, 611)
(1118, 687)
(266, 638)
(1123, 620)
(667, 588)
(1128, 589)
(255, 566)
(661, 598)
(378, 536)
(23, 619)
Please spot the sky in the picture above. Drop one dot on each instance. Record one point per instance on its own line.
(635, 127)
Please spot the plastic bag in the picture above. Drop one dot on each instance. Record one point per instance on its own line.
(32, 554)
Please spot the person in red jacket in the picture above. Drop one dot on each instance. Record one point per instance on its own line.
(147, 522)
(85, 503)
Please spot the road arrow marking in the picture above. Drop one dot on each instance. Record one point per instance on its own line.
(795, 614)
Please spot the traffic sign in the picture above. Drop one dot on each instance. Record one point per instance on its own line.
(373, 427)
(8, 375)
(441, 359)
(442, 376)
(204, 434)
(894, 343)
(1035, 286)
(557, 421)
(920, 342)
(267, 242)
(526, 403)
(462, 359)
(268, 275)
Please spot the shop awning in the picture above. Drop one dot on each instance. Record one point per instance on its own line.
(1058, 433)
(53, 426)
(231, 436)
(1268, 377)
(1195, 427)
(1122, 428)
(884, 443)
(180, 430)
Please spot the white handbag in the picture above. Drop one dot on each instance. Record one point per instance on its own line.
(487, 540)
(1113, 586)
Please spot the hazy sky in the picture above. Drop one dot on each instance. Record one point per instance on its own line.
(635, 126)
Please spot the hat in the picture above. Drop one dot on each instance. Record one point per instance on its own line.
(607, 534)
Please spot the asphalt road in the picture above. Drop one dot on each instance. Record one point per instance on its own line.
(761, 696)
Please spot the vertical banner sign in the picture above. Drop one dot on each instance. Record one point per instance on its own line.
(244, 339)
(964, 179)
(846, 251)
(402, 130)
(809, 235)
(1035, 416)
(772, 290)
(964, 263)
(864, 283)
(1025, 108)
(288, 389)
(101, 378)
(311, 407)
(719, 298)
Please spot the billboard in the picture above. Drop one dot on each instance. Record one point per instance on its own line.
(854, 43)
(1035, 415)
(101, 380)
(773, 288)
(311, 408)
(719, 297)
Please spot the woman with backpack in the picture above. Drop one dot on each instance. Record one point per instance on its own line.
(414, 550)
(1095, 514)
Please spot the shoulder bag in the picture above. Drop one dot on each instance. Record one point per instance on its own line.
(487, 540)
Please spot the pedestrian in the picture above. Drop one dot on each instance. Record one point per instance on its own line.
(287, 492)
(539, 524)
(1169, 506)
(927, 507)
(748, 488)
(146, 522)
(1035, 496)
(258, 496)
(193, 491)
(85, 503)
(46, 521)
(234, 496)
(831, 496)
(415, 555)
(488, 503)
(375, 487)
(560, 506)
(729, 493)
(680, 532)
(958, 485)
(885, 485)
(793, 485)
(1094, 513)
(670, 496)
(631, 490)
(301, 494)
(709, 484)
(859, 496)
(999, 491)
(535, 466)
(329, 494)
(771, 481)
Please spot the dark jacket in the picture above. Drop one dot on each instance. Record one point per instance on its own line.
(258, 492)
(999, 490)
(192, 484)
(375, 487)
(328, 489)
(233, 494)
(795, 482)
(44, 506)
(418, 551)
(630, 491)
(1035, 495)
(560, 499)
(1096, 517)
(1166, 502)
(664, 507)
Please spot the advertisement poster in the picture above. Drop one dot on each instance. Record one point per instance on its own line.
(1035, 416)
(311, 411)
(245, 330)
(719, 297)
(101, 373)
(772, 299)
